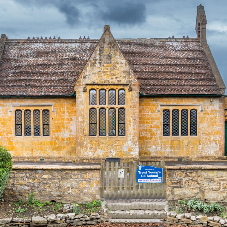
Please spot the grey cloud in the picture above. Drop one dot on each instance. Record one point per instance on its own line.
(66, 7)
(71, 12)
(126, 13)
(120, 12)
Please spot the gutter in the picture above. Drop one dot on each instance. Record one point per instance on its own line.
(177, 95)
(40, 96)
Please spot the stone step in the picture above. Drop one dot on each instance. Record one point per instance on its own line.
(135, 221)
(136, 214)
(162, 205)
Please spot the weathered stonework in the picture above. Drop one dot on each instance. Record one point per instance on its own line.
(107, 69)
(206, 183)
(210, 131)
(66, 183)
(62, 139)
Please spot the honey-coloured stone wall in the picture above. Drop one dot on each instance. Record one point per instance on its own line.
(203, 182)
(62, 127)
(66, 183)
(107, 69)
(210, 127)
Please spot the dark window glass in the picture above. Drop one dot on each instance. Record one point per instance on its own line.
(102, 122)
(93, 97)
(27, 122)
(193, 122)
(46, 116)
(18, 123)
(36, 118)
(166, 122)
(102, 97)
(184, 122)
(112, 122)
(92, 122)
(175, 123)
(112, 97)
(121, 97)
(121, 122)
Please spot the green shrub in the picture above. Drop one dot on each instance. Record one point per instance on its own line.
(197, 205)
(5, 168)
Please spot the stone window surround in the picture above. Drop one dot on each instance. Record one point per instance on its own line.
(179, 107)
(32, 107)
(107, 107)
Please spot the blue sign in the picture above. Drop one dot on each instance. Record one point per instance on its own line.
(149, 174)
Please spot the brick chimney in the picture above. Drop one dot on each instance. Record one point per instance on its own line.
(201, 22)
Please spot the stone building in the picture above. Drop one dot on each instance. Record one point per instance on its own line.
(79, 99)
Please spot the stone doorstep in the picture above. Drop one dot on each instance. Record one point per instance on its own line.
(135, 221)
(137, 206)
(137, 214)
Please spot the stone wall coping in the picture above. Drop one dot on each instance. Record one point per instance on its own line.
(57, 167)
(197, 167)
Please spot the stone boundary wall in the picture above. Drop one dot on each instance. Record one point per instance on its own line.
(204, 182)
(188, 219)
(59, 220)
(62, 182)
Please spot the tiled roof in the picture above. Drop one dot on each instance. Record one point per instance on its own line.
(170, 66)
(50, 67)
(43, 67)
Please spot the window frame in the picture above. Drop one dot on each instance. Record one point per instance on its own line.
(107, 107)
(32, 108)
(180, 108)
(21, 113)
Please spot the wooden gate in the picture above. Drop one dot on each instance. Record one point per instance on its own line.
(113, 187)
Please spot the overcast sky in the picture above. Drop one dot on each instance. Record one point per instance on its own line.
(127, 19)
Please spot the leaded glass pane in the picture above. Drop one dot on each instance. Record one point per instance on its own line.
(193, 122)
(18, 130)
(112, 97)
(102, 122)
(102, 97)
(121, 97)
(27, 122)
(45, 116)
(36, 117)
(121, 122)
(112, 122)
(18, 123)
(92, 122)
(184, 122)
(175, 123)
(46, 130)
(93, 97)
(166, 122)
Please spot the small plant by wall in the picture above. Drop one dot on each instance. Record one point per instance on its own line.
(5, 168)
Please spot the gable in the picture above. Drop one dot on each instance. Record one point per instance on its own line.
(107, 65)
